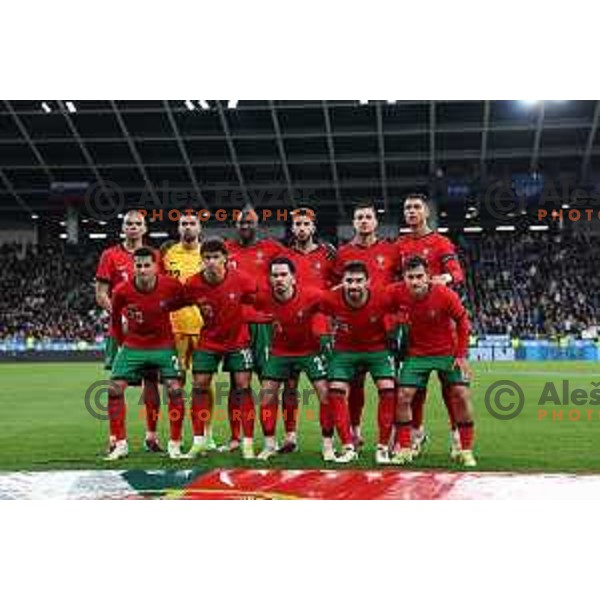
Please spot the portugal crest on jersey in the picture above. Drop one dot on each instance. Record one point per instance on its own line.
(380, 261)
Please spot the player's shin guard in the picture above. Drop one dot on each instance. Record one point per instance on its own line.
(116, 415)
(356, 400)
(403, 434)
(290, 409)
(466, 431)
(385, 414)
(234, 411)
(176, 413)
(417, 407)
(341, 415)
(201, 409)
(447, 395)
(151, 396)
(247, 410)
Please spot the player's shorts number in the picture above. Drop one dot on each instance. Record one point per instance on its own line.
(247, 358)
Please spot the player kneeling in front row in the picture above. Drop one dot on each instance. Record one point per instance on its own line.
(300, 338)
(437, 341)
(147, 344)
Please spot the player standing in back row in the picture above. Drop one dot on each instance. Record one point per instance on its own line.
(445, 269)
(380, 257)
(250, 256)
(314, 264)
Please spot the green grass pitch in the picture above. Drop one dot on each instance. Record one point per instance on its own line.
(45, 424)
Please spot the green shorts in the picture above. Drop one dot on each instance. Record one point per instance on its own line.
(110, 351)
(238, 361)
(261, 335)
(344, 366)
(416, 370)
(282, 368)
(131, 364)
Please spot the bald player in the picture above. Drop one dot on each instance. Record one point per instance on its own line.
(444, 268)
(116, 265)
(251, 256)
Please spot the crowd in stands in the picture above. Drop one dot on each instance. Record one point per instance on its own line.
(524, 284)
(533, 283)
(47, 292)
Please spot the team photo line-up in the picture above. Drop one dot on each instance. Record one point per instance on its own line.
(372, 306)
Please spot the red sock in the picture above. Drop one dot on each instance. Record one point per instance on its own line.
(201, 409)
(248, 414)
(403, 434)
(326, 420)
(341, 416)
(385, 414)
(290, 409)
(356, 400)
(151, 396)
(235, 414)
(176, 413)
(417, 405)
(268, 419)
(447, 396)
(466, 431)
(116, 415)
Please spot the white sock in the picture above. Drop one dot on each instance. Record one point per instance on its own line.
(290, 437)
(198, 439)
(248, 441)
(151, 435)
(121, 443)
(327, 443)
(270, 442)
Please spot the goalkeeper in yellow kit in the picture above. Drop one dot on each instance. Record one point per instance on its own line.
(182, 260)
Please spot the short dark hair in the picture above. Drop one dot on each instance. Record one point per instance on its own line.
(213, 244)
(363, 205)
(283, 260)
(417, 196)
(356, 266)
(304, 211)
(144, 252)
(414, 262)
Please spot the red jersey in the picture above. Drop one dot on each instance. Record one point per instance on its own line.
(436, 249)
(314, 268)
(147, 315)
(225, 328)
(253, 260)
(115, 266)
(295, 322)
(438, 322)
(359, 329)
(381, 259)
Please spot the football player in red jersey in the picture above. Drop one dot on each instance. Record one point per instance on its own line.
(220, 292)
(360, 313)
(380, 256)
(438, 340)
(115, 266)
(146, 344)
(314, 263)
(251, 256)
(298, 345)
(444, 267)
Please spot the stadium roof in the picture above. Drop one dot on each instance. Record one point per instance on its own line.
(220, 153)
